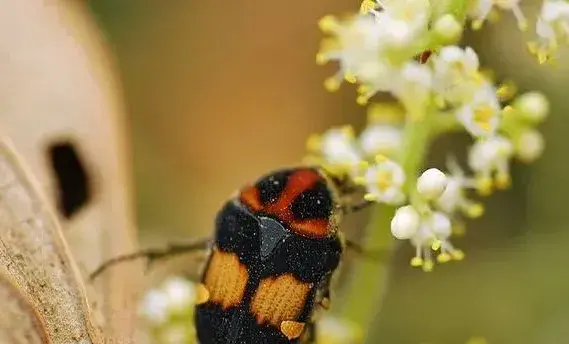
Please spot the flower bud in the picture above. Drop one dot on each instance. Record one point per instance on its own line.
(405, 223)
(448, 29)
(533, 106)
(432, 183)
(529, 145)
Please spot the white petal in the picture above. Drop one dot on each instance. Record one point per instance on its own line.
(441, 225)
(381, 139)
(181, 293)
(155, 306)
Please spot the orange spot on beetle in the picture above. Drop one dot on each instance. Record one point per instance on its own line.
(225, 279)
(250, 197)
(312, 228)
(279, 299)
(292, 329)
(202, 294)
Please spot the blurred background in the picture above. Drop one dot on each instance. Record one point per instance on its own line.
(221, 92)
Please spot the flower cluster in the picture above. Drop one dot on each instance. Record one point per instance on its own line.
(551, 26)
(366, 159)
(382, 49)
(168, 310)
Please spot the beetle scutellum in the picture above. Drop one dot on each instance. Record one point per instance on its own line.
(275, 247)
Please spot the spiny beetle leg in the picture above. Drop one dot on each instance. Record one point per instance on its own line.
(154, 254)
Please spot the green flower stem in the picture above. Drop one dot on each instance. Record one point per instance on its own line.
(365, 287)
(364, 293)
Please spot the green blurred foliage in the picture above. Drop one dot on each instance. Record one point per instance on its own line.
(221, 92)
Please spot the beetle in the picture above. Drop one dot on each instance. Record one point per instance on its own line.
(275, 248)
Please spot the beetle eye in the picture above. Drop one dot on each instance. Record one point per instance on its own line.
(74, 190)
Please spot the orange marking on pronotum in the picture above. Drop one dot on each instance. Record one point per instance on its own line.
(250, 197)
(298, 182)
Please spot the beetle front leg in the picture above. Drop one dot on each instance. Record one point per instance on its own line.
(309, 336)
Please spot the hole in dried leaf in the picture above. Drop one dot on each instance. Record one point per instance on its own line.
(71, 177)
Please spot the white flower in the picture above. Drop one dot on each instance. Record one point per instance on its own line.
(433, 234)
(176, 295)
(529, 145)
(456, 75)
(155, 306)
(431, 184)
(413, 88)
(553, 21)
(454, 197)
(355, 42)
(480, 9)
(379, 139)
(337, 146)
(375, 76)
(489, 156)
(181, 294)
(405, 222)
(552, 27)
(369, 47)
(384, 181)
(403, 20)
(481, 116)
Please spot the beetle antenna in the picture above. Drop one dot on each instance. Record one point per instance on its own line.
(153, 254)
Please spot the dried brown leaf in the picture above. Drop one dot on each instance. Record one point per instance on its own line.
(35, 257)
(19, 322)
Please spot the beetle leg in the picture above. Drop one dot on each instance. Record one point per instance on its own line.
(324, 293)
(154, 254)
(309, 336)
